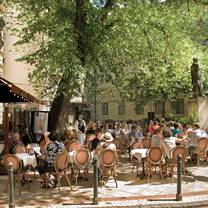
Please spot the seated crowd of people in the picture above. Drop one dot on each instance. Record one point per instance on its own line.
(103, 135)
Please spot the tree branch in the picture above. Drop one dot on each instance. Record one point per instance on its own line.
(77, 26)
(201, 2)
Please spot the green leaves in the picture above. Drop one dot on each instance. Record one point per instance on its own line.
(144, 48)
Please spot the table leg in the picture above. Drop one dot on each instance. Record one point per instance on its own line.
(142, 174)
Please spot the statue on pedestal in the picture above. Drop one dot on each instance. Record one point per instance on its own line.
(196, 79)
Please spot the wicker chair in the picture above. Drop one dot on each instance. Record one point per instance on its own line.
(146, 143)
(201, 149)
(74, 146)
(67, 145)
(17, 169)
(122, 143)
(117, 142)
(81, 159)
(61, 164)
(108, 160)
(175, 152)
(154, 160)
(135, 161)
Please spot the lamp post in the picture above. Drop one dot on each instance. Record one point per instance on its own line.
(95, 107)
(95, 96)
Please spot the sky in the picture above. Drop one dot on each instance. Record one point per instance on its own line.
(98, 3)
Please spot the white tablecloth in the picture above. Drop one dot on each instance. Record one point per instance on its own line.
(28, 159)
(139, 153)
(1, 148)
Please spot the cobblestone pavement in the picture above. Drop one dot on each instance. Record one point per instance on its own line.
(131, 191)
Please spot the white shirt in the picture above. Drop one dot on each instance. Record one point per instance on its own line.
(106, 145)
(196, 134)
(168, 144)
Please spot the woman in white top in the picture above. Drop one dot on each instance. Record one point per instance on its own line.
(168, 142)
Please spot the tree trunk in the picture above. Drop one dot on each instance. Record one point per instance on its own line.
(58, 114)
(60, 108)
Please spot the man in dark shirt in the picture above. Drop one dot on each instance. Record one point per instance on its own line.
(97, 139)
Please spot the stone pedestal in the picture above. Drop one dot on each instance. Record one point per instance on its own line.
(203, 112)
(200, 106)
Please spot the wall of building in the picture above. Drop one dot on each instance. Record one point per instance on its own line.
(106, 93)
(192, 106)
(16, 72)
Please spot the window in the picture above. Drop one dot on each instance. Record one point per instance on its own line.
(139, 109)
(158, 108)
(104, 108)
(178, 106)
(121, 109)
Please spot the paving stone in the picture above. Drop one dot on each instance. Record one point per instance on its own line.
(130, 188)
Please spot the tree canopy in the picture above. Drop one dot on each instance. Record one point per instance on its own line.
(144, 47)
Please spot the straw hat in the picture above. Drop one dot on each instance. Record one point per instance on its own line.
(46, 134)
(70, 128)
(107, 137)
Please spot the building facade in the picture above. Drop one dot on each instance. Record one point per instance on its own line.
(108, 105)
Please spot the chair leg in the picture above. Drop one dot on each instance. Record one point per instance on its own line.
(72, 173)
(65, 174)
(46, 178)
(76, 174)
(59, 182)
(161, 172)
(149, 168)
(115, 181)
(86, 174)
(6, 187)
(101, 181)
(198, 160)
(34, 173)
(184, 172)
(137, 167)
(19, 183)
(172, 172)
(132, 169)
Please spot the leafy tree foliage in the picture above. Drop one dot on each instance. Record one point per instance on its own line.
(144, 47)
(167, 37)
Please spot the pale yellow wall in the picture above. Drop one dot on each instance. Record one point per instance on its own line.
(192, 106)
(16, 72)
(106, 92)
